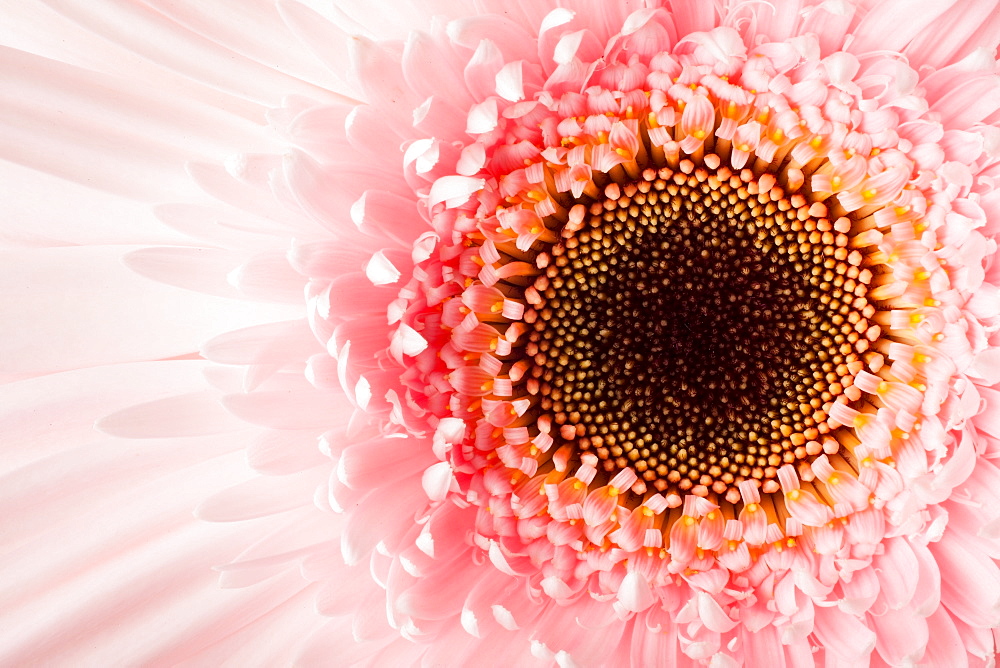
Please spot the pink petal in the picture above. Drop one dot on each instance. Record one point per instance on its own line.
(970, 583)
(898, 573)
(944, 644)
(844, 635)
(908, 17)
(901, 636)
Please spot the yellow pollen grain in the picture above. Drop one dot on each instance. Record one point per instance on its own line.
(578, 485)
(688, 520)
(921, 275)
(883, 387)
(870, 193)
(647, 511)
(752, 507)
(816, 142)
(833, 480)
(613, 491)
(699, 134)
(794, 494)
(916, 318)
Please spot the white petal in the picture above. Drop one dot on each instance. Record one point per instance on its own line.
(437, 480)
(454, 190)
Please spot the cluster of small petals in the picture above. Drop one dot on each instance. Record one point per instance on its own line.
(897, 198)
(610, 131)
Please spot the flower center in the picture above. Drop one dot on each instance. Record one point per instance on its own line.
(687, 304)
(697, 328)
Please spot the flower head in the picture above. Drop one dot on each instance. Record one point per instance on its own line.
(637, 335)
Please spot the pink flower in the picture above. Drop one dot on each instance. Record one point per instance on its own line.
(594, 334)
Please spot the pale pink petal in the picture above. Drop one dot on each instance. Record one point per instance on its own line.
(257, 498)
(52, 288)
(970, 583)
(844, 635)
(181, 49)
(902, 636)
(203, 415)
(908, 17)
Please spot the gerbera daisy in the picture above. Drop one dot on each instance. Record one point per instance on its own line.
(576, 333)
